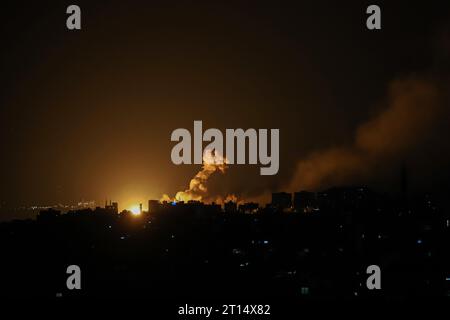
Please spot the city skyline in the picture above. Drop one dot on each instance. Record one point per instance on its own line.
(198, 153)
(88, 114)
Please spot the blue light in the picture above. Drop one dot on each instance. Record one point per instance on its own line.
(419, 241)
(174, 203)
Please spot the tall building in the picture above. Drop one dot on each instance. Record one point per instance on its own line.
(281, 200)
(153, 206)
(404, 184)
(112, 207)
(304, 199)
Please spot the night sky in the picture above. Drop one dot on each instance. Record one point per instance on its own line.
(88, 114)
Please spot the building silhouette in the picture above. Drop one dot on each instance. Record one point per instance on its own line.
(304, 200)
(281, 200)
(230, 207)
(113, 207)
(153, 206)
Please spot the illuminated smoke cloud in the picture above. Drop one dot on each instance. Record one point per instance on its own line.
(413, 108)
(212, 162)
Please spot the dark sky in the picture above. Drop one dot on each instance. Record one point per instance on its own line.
(88, 114)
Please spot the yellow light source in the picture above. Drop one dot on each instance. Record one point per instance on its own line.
(135, 210)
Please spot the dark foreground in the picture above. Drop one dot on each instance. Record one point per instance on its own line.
(194, 252)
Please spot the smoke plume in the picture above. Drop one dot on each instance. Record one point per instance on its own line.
(411, 110)
(213, 162)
